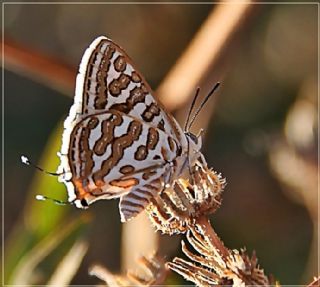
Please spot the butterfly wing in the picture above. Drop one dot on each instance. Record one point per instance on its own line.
(112, 154)
(108, 80)
(112, 103)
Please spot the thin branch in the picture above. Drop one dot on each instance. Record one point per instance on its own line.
(39, 67)
(208, 232)
(315, 282)
(28, 263)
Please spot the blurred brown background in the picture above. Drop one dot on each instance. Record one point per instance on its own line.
(261, 134)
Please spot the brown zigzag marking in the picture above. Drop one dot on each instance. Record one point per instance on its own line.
(107, 133)
(127, 169)
(120, 64)
(161, 125)
(136, 96)
(146, 175)
(135, 77)
(152, 139)
(125, 183)
(117, 85)
(171, 143)
(117, 151)
(150, 112)
(141, 153)
(100, 77)
(85, 154)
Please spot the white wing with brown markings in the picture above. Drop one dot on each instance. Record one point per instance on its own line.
(118, 141)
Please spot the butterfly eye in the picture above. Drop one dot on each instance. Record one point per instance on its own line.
(193, 137)
(84, 202)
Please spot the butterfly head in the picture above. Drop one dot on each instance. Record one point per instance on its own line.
(194, 145)
(194, 140)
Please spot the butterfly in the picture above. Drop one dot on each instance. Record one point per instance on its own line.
(118, 140)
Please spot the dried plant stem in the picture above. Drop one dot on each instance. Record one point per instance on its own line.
(209, 233)
(315, 282)
(39, 67)
(69, 265)
(134, 244)
(184, 209)
(25, 269)
(211, 263)
(202, 53)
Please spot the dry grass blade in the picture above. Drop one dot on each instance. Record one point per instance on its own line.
(196, 258)
(153, 271)
(69, 265)
(23, 273)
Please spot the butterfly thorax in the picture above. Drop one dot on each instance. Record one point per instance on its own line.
(194, 147)
(190, 155)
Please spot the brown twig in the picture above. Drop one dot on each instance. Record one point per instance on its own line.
(315, 282)
(208, 231)
(39, 67)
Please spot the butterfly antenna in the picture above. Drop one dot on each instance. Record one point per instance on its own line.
(26, 161)
(203, 103)
(56, 201)
(191, 108)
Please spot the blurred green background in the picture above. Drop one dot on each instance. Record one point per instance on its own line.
(267, 106)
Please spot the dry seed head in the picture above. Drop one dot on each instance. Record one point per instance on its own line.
(211, 263)
(177, 208)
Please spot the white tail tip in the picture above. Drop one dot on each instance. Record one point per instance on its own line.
(25, 160)
(40, 197)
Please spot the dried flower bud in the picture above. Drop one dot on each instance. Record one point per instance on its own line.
(213, 264)
(176, 208)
